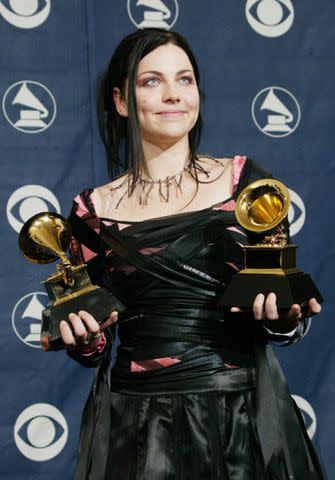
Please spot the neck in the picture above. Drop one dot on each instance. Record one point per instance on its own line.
(163, 162)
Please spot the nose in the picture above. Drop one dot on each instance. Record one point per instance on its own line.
(171, 92)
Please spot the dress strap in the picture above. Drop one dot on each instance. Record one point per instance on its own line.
(84, 233)
(160, 266)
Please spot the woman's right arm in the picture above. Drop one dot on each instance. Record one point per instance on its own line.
(86, 341)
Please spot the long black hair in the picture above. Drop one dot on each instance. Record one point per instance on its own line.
(122, 134)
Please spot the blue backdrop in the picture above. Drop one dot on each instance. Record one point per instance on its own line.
(267, 69)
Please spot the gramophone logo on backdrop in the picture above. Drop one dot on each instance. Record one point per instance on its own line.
(26, 318)
(296, 213)
(29, 106)
(308, 414)
(270, 18)
(27, 201)
(40, 432)
(276, 112)
(153, 13)
(25, 13)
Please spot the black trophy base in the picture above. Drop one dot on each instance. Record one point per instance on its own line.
(292, 288)
(99, 303)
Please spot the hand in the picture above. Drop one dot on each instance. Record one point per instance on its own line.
(265, 309)
(83, 331)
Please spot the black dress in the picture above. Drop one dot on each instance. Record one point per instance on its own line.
(196, 392)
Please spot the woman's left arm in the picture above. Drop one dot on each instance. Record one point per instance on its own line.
(284, 326)
(280, 321)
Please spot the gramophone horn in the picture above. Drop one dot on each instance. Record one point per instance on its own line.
(45, 237)
(262, 205)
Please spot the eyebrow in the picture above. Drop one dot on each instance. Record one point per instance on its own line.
(156, 72)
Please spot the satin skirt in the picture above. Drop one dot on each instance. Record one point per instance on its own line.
(194, 436)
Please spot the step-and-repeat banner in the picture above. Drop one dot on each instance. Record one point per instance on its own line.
(267, 69)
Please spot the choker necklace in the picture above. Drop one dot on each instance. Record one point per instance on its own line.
(146, 185)
(164, 184)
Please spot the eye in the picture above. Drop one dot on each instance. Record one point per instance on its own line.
(40, 432)
(270, 12)
(151, 82)
(27, 201)
(27, 14)
(296, 213)
(308, 414)
(270, 18)
(186, 80)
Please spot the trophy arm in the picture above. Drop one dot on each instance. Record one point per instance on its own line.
(67, 270)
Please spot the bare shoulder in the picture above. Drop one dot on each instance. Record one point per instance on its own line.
(105, 197)
(215, 164)
(209, 160)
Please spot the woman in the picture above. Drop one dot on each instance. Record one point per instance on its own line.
(195, 392)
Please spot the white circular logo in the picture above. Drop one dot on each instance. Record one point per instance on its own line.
(29, 106)
(270, 18)
(26, 318)
(40, 432)
(153, 13)
(27, 201)
(25, 13)
(296, 213)
(276, 112)
(308, 415)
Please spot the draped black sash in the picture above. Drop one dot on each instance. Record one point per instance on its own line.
(287, 451)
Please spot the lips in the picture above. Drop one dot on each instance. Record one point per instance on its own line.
(171, 113)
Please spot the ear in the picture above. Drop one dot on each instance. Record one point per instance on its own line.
(120, 103)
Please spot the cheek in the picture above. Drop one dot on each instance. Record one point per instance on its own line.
(144, 106)
(193, 100)
(145, 102)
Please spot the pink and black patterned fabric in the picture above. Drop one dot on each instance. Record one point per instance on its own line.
(191, 385)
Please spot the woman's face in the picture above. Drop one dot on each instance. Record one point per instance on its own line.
(167, 96)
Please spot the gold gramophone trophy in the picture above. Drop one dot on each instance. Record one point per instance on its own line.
(44, 238)
(269, 266)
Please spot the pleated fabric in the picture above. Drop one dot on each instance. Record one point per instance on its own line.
(204, 435)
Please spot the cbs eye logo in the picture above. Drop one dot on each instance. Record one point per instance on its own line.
(27, 201)
(25, 14)
(308, 414)
(296, 213)
(270, 18)
(40, 432)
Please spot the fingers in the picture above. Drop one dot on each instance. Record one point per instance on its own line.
(66, 334)
(270, 307)
(82, 329)
(314, 307)
(265, 308)
(236, 309)
(306, 309)
(112, 319)
(295, 312)
(259, 306)
(45, 343)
